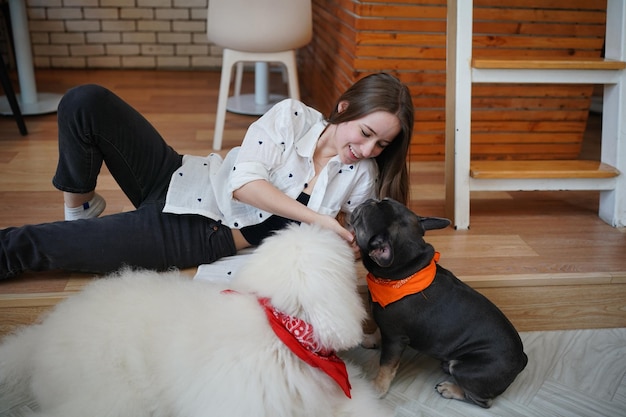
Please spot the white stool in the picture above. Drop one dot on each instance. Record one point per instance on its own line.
(263, 32)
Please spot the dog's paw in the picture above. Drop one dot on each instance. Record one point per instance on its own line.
(447, 366)
(383, 379)
(371, 341)
(381, 388)
(450, 390)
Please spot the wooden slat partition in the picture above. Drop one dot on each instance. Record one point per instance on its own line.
(408, 38)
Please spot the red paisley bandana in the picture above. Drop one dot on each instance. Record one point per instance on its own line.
(299, 337)
(384, 291)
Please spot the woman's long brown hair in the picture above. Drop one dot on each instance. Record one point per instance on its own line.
(383, 92)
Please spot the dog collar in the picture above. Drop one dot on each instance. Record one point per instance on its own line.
(385, 291)
(299, 337)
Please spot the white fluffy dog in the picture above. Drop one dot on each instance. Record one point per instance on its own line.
(147, 344)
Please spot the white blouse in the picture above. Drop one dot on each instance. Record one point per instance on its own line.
(278, 148)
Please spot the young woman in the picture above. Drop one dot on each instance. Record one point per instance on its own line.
(293, 165)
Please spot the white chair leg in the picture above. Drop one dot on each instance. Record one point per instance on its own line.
(292, 74)
(238, 78)
(220, 115)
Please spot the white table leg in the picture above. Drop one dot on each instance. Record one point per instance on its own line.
(261, 101)
(30, 101)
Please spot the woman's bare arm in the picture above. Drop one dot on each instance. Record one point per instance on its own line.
(263, 195)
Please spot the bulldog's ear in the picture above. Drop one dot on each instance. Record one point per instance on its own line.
(381, 251)
(434, 223)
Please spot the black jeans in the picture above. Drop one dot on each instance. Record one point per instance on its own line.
(96, 126)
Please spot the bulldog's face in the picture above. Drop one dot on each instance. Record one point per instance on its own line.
(390, 238)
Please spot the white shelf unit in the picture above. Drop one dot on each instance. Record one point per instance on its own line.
(463, 175)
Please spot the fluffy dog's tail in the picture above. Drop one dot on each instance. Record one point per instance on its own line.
(16, 361)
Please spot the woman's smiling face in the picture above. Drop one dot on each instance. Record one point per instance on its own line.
(366, 137)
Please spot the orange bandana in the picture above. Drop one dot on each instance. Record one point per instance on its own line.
(385, 291)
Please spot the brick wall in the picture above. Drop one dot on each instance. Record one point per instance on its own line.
(166, 34)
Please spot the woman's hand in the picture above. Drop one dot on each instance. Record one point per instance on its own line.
(331, 223)
(265, 196)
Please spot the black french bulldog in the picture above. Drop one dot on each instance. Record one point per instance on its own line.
(418, 303)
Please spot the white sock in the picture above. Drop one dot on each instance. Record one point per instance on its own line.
(92, 208)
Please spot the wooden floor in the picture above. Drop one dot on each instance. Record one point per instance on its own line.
(544, 257)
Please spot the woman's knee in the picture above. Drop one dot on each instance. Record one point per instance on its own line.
(82, 97)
